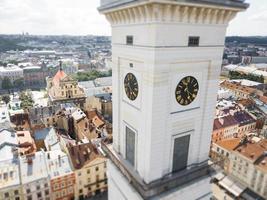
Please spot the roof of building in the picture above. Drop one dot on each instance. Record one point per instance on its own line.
(4, 116)
(104, 81)
(78, 115)
(97, 121)
(243, 118)
(223, 122)
(59, 76)
(238, 87)
(246, 82)
(57, 163)
(8, 143)
(40, 134)
(246, 102)
(254, 151)
(109, 4)
(36, 114)
(83, 154)
(26, 142)
(229, 144)
(51, 140)
(33, 167)
(107, 97)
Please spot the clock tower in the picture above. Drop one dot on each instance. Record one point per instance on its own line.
(166, 60)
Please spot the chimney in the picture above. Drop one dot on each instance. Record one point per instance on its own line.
(48, 155)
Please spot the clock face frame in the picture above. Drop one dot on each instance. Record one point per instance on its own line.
(131, 86)
(186, 90)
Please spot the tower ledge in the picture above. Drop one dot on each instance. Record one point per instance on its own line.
(185, 11)
(160, 186)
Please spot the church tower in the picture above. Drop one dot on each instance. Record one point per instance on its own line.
(166, 60)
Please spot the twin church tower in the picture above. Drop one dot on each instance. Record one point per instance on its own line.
(166, 60)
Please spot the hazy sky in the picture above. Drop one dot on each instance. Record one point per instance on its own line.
(80, 17)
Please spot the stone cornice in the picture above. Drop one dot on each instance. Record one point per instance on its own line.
(159, 12)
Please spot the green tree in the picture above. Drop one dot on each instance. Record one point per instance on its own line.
(26, 99)
(6, 98)
(6, 84)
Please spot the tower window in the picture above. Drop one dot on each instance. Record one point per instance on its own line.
(180, 153)
(130, 145)
(193, 41)
(129, 40)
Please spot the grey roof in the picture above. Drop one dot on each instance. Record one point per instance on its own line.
(109, 4)
(37, 114)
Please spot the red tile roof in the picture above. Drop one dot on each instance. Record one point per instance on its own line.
(229, 144)
(59, 75)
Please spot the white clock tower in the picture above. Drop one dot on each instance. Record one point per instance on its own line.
(166, 59)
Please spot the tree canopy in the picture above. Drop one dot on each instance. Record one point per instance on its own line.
(251, 77)
(92, 75)
(6, 98)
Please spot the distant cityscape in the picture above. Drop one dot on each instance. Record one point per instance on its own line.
(172, 115)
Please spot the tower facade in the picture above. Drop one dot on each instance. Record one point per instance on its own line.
(166, 57)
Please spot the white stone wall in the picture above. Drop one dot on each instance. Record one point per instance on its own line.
(155, 115)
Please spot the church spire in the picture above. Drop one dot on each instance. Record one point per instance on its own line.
(60, 65)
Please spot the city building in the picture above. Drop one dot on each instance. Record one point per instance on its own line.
(35, 76)
(240, 91)
(12, 72)
(64, 89)
(224, 127)
(9, 166)
(34, 177)
(44, 116)
(90, 170)
(26, 143)
(62, 178)
(40, 136)
(102, 103)
(246, 122)
(166, 59)
(4, 116)
(244, 175)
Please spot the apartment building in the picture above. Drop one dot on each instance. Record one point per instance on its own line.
(34, 177)
(62, 178)
(245, 172)
(224, 127)
(90, 170)
(9, 166)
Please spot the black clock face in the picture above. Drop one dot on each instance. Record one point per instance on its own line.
(187, 90)
(131, 86)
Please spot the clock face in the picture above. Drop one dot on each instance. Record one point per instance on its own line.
(187, 90)
(131, 86)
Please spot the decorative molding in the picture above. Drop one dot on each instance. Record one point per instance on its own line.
(159, 12)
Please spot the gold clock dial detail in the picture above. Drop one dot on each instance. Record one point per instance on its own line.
(131, 86)
(187, 90)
